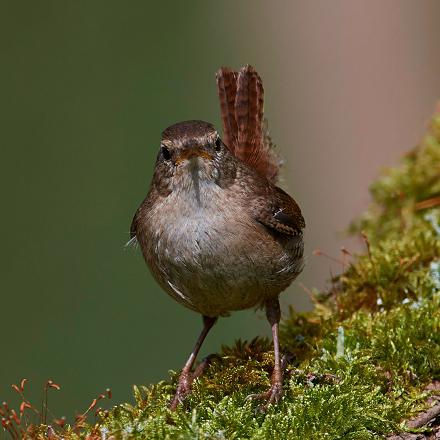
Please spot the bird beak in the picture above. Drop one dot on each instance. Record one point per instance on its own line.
(192, 152)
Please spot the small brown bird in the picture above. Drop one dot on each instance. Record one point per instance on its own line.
(215, 231)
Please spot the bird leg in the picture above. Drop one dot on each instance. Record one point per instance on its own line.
(273, 394)
(186, 377)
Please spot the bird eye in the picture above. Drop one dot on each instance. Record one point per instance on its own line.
(218, 144)
(165, 153)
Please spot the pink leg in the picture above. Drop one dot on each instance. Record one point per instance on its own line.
(273, 394)
(186, 377)
(273, 314)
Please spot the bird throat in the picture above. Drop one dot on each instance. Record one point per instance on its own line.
(194, 169)
(195, 185)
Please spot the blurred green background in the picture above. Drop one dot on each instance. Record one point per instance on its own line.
(86, 89)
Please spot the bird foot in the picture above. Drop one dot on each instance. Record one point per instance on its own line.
(186, 379)
(182, 391)
(271, 396)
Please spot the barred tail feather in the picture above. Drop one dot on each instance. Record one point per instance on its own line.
(243, 123)
(227, 90)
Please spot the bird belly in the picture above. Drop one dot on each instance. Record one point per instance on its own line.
(214, 266)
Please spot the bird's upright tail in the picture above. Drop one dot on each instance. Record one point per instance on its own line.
(242, 110)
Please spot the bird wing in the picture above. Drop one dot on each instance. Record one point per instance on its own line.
(280, 213)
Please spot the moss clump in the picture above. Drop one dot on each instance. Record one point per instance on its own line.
(356, 366)
(360, 393)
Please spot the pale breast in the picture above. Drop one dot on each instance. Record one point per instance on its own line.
(213, 257)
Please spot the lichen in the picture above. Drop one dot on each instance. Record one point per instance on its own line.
(357, 366)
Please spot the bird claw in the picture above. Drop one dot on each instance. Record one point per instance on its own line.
(271, 396)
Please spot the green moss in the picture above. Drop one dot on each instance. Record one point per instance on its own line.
(387, 359)
(357, 365)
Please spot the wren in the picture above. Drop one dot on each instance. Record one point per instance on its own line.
(216, 232)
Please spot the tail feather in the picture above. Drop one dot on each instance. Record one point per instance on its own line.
(227, 90)
(244, 124)
(249, 115)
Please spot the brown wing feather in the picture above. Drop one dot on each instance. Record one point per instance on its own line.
(282, 214)
(227, 91)
(242, 106)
